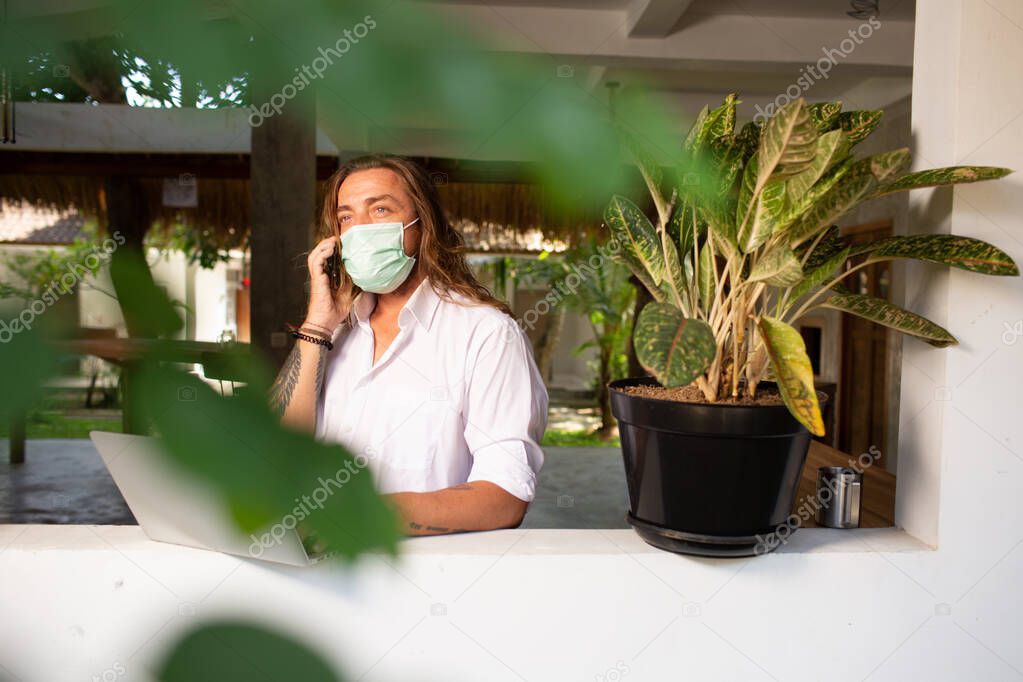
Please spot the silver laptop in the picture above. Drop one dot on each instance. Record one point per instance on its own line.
(174, 506)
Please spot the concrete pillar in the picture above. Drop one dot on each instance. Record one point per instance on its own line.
(283, 175)
(960, 433)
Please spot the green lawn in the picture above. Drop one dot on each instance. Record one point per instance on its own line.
(577, 438)
(47, 424)
(50, 423)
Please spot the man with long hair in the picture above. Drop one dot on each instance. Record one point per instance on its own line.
(410, 362)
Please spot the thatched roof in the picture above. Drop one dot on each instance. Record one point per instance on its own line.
(493, 216)
(61, 167)
(23, 223)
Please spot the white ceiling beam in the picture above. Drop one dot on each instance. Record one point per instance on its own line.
(654, 18)
(600, 36)
(119, 128)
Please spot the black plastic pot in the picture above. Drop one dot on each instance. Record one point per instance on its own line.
(707, 479)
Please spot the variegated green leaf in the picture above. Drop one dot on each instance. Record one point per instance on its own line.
(809, 200)
(786, 143)
(858, 125)
(721, 121)
(675, 349)
(965, 253)
(798, 156)
(715, 197)
(686, 226)
(713, 218)
(890, 315)
(831, 147)
(681, 224)
(748, 139)
(673, 269)
(749, 209)
(687, 268)
(712, 126)
(705, 276)
(832, 206)
(759, 225)
(828, 245)
(747, 188)
(637, 236)
(628, 259)
(728, 162)
(793, 372)
(778, 267)
(824, 115)
(938, 177)
(885, 166)
(820, 274)
(718, 216)
(693, 136)
(723, 244)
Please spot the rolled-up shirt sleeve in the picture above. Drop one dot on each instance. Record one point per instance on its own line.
(505, 412)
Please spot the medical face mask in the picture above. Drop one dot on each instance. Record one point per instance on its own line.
(374, 256)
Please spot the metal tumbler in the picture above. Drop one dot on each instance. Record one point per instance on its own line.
(839, 492)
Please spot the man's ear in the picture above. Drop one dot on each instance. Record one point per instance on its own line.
(413, 240)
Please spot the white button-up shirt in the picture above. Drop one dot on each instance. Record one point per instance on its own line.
(456, 397)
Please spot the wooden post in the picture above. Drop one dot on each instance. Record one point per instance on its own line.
(131, 419)
(17, 437)
(283, 171)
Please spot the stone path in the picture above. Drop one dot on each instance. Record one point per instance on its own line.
(64, 481)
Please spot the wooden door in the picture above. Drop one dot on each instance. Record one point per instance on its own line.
(863, 384)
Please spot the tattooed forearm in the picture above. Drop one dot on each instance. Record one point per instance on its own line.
(283, 389)
(287, 379)
(321, 366)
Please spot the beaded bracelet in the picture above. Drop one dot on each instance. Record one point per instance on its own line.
(313, 339)
(314, 332)
(301, 334)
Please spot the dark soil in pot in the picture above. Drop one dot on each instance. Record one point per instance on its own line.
(767, 395)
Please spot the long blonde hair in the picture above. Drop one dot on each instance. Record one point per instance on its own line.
(442, 248)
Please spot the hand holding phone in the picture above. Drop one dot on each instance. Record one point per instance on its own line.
(332, 266)
(332, 292)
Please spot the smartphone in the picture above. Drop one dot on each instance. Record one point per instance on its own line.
(332, 266)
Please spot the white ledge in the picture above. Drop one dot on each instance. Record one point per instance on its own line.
(524, 542)
(529, 604)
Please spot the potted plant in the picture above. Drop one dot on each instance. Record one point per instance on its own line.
(744, 244)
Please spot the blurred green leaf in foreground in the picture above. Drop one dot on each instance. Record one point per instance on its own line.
(238, 652)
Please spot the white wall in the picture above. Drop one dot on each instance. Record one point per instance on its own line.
(961, 433)
(569, 369)
(214, 302)
(212, 305)
(97, 306)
